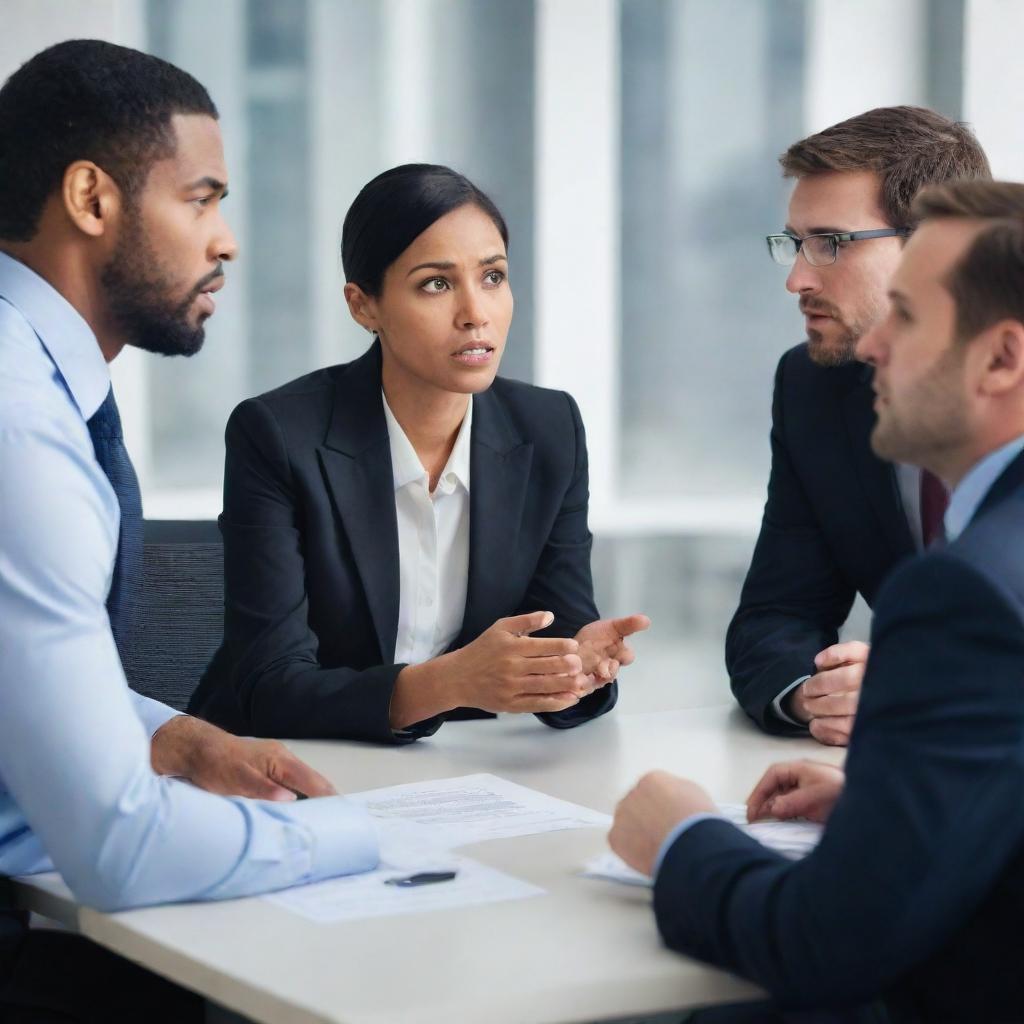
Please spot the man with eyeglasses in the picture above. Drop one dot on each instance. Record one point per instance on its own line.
(837, 518)
(912, 901)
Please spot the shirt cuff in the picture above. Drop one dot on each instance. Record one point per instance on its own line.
(685, 825)
(777, 703)
(152, 713)
(343, 837)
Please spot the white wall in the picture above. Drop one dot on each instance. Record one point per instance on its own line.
(577, 324)
(863, 55)
(994, 82)
(31, 25)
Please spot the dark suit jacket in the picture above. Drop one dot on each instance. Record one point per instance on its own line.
(917, 888)
(13, 928)
(311, 550)
(833, 526)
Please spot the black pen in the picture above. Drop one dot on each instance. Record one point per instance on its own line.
(423, 878)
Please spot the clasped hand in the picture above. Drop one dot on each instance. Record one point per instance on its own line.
(827, 702)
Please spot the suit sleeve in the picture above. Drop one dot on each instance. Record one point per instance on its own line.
(562, 581)
(270, 650)
(929, 819)
(794, 599)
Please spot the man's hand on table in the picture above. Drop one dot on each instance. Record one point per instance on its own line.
(827, 701)
(231, 766)
(796, 789)
(649, 812)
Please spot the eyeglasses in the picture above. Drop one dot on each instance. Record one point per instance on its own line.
(821, 250)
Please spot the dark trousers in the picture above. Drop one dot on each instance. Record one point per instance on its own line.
(51, 977)
(769, 1013)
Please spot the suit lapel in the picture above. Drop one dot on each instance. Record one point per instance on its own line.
(877, 477)
(356, 462)
(500, 463)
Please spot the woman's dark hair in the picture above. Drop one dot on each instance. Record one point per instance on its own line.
(396, 208)
(86, 99)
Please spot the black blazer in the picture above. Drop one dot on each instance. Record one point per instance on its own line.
(917, 888)
(311, 551)
(833, 526)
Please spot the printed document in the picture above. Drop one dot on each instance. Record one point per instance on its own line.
(448, 813)
(793, 839)
(419, 824)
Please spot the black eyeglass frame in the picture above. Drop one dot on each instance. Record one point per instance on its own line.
(836, 237)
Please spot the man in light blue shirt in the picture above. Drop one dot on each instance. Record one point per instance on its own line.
(111, 175)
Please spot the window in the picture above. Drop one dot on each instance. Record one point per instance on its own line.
(632, 145)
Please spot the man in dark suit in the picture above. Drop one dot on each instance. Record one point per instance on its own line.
(916, 891)
(838, 518)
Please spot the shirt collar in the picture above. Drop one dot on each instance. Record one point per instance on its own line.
(67, 338)
(971, 491)
(405, 463)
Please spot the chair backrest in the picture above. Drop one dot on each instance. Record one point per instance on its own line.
(181, 621)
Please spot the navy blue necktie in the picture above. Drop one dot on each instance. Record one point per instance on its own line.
(126, 585)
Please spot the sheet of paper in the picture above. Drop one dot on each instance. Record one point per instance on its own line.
(612, 868)
(448, 813)
(794, 839)
(419, 823)
(366, 895)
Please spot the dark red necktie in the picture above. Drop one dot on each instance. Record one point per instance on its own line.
(934, 500)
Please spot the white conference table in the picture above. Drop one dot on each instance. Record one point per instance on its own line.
(586, 951)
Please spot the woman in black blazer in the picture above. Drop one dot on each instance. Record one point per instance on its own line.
(405, 536)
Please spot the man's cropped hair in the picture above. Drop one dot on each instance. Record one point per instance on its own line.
(987, 283)
(85, 99)
(907, 147)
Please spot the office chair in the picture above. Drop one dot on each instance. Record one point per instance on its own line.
(181, 619)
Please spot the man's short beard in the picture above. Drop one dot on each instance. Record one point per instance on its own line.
(138, 293)
(843, 350)
(839, 353)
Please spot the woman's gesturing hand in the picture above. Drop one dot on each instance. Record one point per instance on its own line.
(503, 669)
(603, 648)
(506, 669)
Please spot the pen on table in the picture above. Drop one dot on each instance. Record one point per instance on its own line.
(423, 878)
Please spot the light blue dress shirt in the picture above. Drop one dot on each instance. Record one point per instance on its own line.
(963, 503)
(77, 791)
(971, 491)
